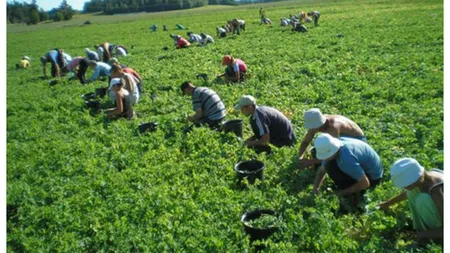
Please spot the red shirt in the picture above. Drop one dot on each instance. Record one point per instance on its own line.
(182, 42)
(133, 73)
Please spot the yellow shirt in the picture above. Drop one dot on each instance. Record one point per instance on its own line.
(24, 64)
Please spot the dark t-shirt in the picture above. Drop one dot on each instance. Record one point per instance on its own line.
(267, 120)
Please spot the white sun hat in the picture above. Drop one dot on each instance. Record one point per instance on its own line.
(313, 118)
(326, 146)
(405, 172)
(245, 100)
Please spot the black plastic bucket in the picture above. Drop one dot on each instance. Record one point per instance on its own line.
(93, 104)
(88, 96)
(251, 170)
(234, 126)
(258, 233)
(150, 127)
(101, 92)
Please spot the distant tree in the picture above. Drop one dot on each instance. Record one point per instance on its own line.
(58, 16)
(66, 10)
(43, 15)
(34, 17)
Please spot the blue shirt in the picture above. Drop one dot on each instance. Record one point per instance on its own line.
(102, 69)
(53, 55)
(357, 158)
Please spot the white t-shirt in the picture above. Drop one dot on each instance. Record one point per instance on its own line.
(207, 39)
(121, 52)
(134, 94)
(195, 38)
(221, 30)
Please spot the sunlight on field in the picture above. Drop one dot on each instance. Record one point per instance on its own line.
(77, 182)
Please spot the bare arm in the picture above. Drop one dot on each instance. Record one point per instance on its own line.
(320, 175)
(362, 184)
(115, 111)
(305, 143)
(397, 199)
(264, 140)
(198, 115)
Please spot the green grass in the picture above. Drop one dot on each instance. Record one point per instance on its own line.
(80, 183)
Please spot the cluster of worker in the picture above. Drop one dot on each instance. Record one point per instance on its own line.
(341, 149)
(125, 83)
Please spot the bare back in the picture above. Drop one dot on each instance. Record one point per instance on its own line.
(342, 126)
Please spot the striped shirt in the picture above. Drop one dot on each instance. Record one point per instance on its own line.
(210, 103)
(268, 120)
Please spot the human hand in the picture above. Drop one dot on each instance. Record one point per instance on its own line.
(190, 118)
(300, 165)
(384, 206)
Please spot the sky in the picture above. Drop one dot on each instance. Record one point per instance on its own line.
(50, 4)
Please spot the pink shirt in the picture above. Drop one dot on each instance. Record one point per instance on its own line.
(239, 66)
(74, 63)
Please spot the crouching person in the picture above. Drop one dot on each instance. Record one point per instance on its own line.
(352, 165)
(209, 108)
(424, 191)
(123, 101)
(236, 69)
(268, 124)
(129, 83)
(24, 63)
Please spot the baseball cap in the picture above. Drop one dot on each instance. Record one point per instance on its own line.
(405, 172)
(114, 81)
(326, 146)
(245, 100)
(26, 58)
(226, 60)
(313, 118)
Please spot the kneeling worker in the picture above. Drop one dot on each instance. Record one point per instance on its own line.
(352, 164)
(268, 124)
(209, 108)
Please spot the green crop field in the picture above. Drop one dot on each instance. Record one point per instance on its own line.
(77, 182)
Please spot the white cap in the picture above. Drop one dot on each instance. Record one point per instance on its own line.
(326, 146)
(313, 118)
(245, 100)
(405, 172)
(26, 58)
(114, 81)
(86, 49)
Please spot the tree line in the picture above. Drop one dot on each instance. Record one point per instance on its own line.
(18, 12)
(126, 6)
